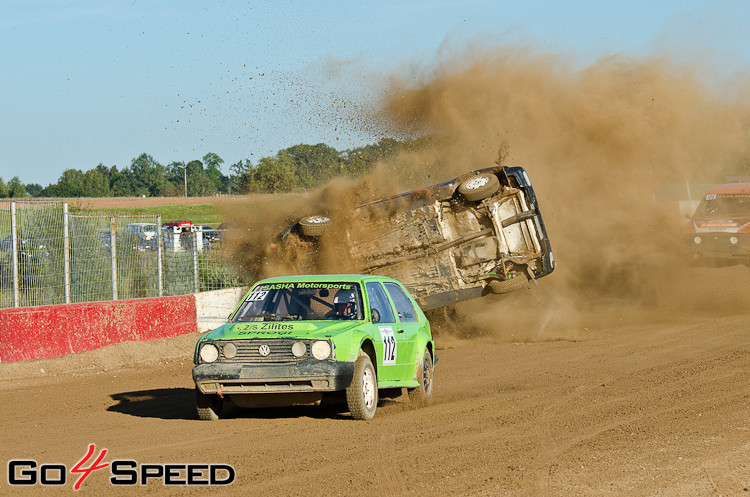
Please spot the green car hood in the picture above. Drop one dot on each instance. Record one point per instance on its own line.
(280, 329)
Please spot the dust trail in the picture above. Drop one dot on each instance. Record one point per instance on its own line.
(598, 143)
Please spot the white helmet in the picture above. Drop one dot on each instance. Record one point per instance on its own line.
(345, 295)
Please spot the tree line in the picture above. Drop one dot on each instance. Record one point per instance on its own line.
(295, 168)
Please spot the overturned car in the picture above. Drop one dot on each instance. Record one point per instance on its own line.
(479, 233)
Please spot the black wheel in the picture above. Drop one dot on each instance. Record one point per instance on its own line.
(479, 187)
(208, 406)
(362, 394)
(423, 393)
(507, 286)
(314, 225)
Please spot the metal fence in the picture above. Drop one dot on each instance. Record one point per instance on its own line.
(50, 256)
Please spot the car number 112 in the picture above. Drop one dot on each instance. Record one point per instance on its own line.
(389, 345)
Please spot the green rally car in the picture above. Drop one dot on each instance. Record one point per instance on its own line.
(294, 339)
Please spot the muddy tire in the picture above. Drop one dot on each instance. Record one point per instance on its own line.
(423, 393)
(208, 406)
(362, 394)
(479, 187)
(507, 286)
(314, 225)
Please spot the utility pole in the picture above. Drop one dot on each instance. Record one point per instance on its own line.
(184, 175)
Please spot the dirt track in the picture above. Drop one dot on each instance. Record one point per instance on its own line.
(619, 402)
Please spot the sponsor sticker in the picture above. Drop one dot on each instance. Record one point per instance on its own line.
(726, 224)
(302, 285)
(264, 327)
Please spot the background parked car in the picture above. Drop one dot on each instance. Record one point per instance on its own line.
(126, 240)
(32, 254)
(25, 245)
(147, 231)
(719, 232)
(210, 233)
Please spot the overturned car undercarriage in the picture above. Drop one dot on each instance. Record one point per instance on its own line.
(479, 233)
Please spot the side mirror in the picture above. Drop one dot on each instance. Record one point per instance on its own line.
(375, 315)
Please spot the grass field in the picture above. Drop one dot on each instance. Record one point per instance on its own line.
(199, 210)
(197, 213)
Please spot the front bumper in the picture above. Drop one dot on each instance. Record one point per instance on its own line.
(719, 245)
(309, 375)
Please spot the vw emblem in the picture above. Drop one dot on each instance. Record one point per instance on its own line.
(264, 350)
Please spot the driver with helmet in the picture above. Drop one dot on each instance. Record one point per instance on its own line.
(344, 305)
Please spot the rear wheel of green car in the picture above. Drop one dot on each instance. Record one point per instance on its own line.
(208, 406)
(423, 393)
(362, 394)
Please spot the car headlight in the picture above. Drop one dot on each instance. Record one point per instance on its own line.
(697, 240)
(733, 240)
(229, 350)
(209, 352)
(321, 350)
(299, 349)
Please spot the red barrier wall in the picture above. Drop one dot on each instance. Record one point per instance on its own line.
(50, 331)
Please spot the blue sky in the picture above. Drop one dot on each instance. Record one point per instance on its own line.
(87, 82)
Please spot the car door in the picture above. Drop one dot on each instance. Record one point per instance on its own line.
(390, 345)
(408, 327)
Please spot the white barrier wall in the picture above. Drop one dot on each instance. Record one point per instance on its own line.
(212, 308)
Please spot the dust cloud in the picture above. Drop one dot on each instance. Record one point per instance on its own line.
(599, 143)
(255, 243)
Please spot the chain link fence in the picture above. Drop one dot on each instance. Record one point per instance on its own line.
(50, 256)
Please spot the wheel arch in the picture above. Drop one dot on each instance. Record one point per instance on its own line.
(368, 347)
(423, 342)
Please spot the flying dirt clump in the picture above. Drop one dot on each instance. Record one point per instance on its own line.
(256, 243)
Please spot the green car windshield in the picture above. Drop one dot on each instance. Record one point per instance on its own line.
(301, 301)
